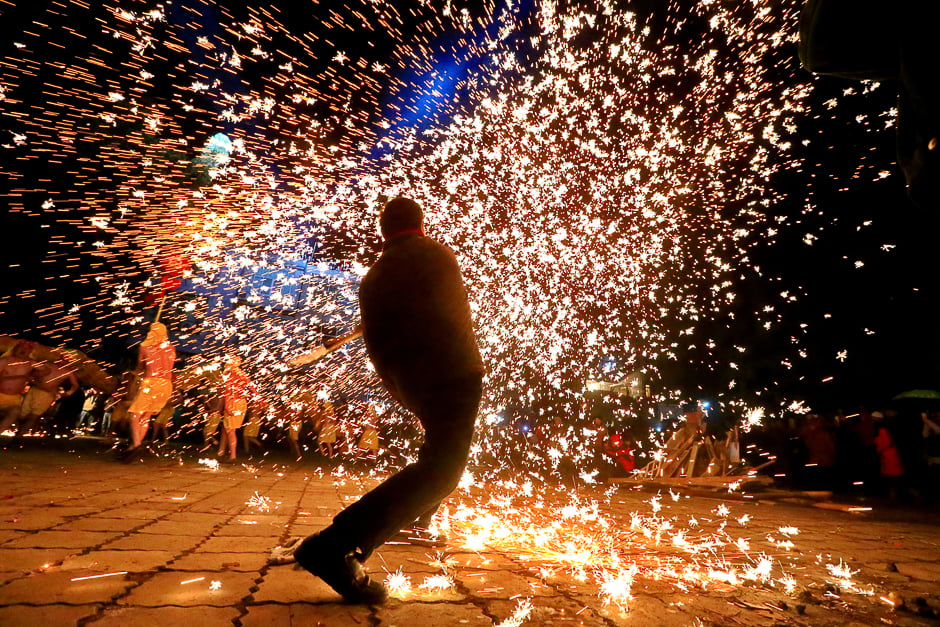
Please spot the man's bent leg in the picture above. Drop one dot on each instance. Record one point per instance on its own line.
(335, 554)
(449, 422)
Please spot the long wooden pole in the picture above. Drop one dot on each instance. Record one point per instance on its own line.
(160, 308)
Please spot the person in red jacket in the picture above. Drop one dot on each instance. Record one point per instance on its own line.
(419, 335)
(620, 450)
(892, 466)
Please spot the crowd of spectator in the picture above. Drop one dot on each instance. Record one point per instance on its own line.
(889, 452)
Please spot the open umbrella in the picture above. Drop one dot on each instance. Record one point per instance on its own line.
(922, 394)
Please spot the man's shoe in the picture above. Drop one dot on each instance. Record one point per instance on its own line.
(419, 537)
(341, 572)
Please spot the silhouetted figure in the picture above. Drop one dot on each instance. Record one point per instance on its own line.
(419, 335)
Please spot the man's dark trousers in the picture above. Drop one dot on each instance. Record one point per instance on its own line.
(448, 413)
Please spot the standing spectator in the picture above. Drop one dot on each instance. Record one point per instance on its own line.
(822, 450)
(296, 409)
(892, 468)
(620, 450)
(295, 422)
(87, 408)
(369, 442)
(863, 425)
(213, 404)
(252, 428)
(162, 421)
(120, 402)
(599, 439)
(156, 360)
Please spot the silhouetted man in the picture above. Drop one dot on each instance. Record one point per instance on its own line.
(419, 336)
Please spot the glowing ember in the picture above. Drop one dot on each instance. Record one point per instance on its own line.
(436, 583)
(398, 584)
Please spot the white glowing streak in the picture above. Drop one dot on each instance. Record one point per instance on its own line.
(123, 572)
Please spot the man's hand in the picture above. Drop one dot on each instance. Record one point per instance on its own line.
(309, 356)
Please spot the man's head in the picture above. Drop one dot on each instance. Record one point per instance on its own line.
(401, 215)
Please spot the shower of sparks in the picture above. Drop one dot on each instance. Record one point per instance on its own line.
(560, 537)
(601, 182)
(398, 584)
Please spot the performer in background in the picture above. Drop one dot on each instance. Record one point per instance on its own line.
(156, 359)
(236, 386)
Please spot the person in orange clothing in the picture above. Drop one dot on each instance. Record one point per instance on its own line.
(156, 359)
(235, 389)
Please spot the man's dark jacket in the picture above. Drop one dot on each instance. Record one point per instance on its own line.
(416, 319)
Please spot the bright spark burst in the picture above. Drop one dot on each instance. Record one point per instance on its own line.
(519, 615)
(601, 188)
(398, 583)
(261, 503)
(211, 464)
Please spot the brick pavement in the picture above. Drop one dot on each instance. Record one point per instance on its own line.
(86, 540)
